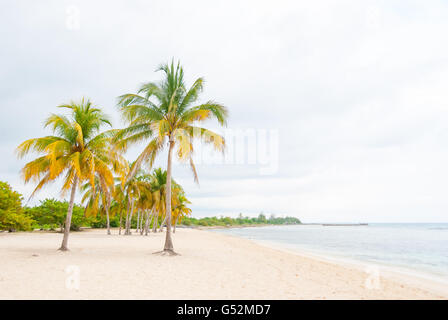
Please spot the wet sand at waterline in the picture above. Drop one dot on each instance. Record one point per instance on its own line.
(211, 266)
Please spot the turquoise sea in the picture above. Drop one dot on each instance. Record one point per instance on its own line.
(420, 247)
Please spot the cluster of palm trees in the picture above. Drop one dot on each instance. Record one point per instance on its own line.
(161, 114)
(144, 195)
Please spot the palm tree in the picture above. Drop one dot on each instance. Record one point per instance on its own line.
(158, 187)
(166, 111)
(118, 203)
(180, 210)
(98, 198)
(95, 199)
(159, 181)
(134, 187)
(145, 202)
(76, 149)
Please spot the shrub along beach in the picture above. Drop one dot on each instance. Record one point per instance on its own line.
(50, 215)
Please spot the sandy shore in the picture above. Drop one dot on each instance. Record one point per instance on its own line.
(211, 266)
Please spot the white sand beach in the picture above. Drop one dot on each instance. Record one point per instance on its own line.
(210, 266)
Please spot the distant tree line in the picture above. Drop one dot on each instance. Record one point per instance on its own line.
(50, 214)
(240, 221)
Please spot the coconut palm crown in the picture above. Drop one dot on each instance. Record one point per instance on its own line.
(76, 151)
(168, 111)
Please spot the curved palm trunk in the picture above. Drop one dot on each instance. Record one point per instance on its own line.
(126, 225)
(142, 218)
(121, 221)
(155, 222)
(108, 200)
(149, 218)
(168, 240)
(145, 216)
(138, 220)
(126, 222)
(162, 224)
(107, 214)
(68, 219)
(108, 220)
(129, 220)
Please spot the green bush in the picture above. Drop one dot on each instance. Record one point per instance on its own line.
(12, 215)
(52, 213)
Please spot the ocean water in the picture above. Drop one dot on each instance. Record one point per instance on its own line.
(421, 247)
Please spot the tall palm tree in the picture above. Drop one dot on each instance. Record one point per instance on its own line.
(167, 111)
(76, 149)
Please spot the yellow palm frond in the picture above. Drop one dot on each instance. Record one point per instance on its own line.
(183, 140)
(76, 164)
(79, 136)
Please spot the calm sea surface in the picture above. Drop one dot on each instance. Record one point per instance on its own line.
(419, 247)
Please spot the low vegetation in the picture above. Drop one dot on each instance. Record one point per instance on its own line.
(50, 215)
(240, 221)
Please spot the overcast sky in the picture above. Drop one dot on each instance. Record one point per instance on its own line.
(352, 94)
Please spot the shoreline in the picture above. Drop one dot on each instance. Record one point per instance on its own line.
(420, 278)
(211, 265)
(237, 226)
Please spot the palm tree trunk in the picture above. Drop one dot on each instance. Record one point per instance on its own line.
(108, 200)
(138, 220)
(168, 240)
(161, 225)
(142, 218)
(121, 221)
(162, 221)
(68, 220)
(174, 228)
(146, 212)
(154, 219)
(107, 220)
(126, 227)
(154, 223)
(130, 218)
(149, 216)
(126, 223)
(107, 214)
